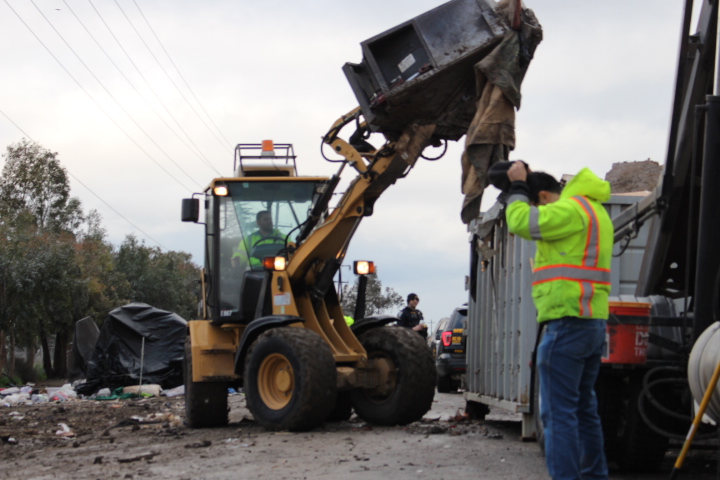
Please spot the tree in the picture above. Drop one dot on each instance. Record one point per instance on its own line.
(42, 288)
(164, 280)
(377, 300)
(34, 181)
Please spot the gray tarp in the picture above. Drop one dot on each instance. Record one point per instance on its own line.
(491, 134)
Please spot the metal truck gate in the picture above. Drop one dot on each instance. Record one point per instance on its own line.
(502, 325)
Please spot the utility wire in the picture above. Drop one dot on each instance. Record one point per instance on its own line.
(111, 95)
(92, 98)
(181, 75)
(90, 190)
(202, 157)
(168, 76)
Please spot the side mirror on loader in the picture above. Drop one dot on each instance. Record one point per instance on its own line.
(190, 209)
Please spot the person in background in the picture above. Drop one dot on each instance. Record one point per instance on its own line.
(571, 283)
(412, 318)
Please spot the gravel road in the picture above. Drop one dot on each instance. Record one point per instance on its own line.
(147, 439)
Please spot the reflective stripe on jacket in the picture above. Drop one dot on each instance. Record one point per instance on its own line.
(571, 275)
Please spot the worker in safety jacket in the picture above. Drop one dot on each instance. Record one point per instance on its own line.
(265, 235)
(571, 284)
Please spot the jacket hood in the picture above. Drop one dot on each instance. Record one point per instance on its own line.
(587, 184)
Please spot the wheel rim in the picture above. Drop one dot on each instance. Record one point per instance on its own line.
(387, 376)
(276, 381)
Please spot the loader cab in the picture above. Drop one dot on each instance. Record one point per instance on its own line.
(256, 214)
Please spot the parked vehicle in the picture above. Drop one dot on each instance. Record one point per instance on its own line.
(434, 339)
(450, 354)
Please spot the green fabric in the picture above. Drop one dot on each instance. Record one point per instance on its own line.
(118, 394)
(562, 240)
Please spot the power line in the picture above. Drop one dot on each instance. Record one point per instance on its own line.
(110, 93)
(181, 75)
(202, 157)
(91, 97)
(89, 189)
(168, 75)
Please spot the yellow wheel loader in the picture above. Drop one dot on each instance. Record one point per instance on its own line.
(271, 320)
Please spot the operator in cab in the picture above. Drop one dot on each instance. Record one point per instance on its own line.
(266, 237)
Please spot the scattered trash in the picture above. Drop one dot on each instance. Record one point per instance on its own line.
(9, 440)
(15, 399)
(142, 456)
(62, 394)
(203, 444)
(144, 390)
(39, 398)
(64, 431)
(175, 392)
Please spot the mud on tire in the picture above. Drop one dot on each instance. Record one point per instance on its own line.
(409, 391)
(206, 403)
(290, 379)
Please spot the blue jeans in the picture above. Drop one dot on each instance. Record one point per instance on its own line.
(569, 358)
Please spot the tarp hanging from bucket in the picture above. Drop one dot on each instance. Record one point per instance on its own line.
(499, 75)
(116, 360)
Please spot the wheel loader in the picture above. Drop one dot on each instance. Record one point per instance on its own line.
(270, 317)
(271, 320)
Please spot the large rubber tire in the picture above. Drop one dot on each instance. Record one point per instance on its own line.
(206, 403)
(444, 384)
(290, 379)
(639, 449)
(406, 363)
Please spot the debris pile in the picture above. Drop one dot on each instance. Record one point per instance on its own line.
(639, 176)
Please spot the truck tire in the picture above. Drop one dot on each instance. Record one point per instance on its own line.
(444, 384)
(409, 374)
(206, 403)
(290, 379)
(639, 449)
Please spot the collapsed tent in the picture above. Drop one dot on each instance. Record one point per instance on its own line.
(84, 341)
(137, 340)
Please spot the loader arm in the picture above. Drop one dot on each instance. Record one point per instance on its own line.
(305, 288)
(319, 256)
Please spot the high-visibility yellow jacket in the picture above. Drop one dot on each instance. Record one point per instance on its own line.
(244, 248)
(571, 275)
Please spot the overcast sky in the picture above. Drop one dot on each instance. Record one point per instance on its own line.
(76, 77)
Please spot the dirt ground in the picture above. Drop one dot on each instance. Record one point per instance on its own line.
(146, 438)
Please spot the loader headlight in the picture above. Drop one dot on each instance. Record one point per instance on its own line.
(363, 267)
(275, 263)
(220, 190)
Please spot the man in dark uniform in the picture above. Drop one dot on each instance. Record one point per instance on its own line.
(411, 317)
